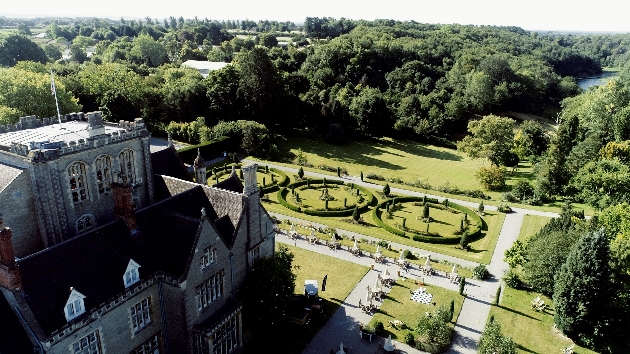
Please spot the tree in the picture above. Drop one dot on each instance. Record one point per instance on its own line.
(515, 256)
(425, 211)
(530, 140)
(52, 52)
(546, 252)
(355, 214)
(149, 51)
(582, 292)
(434, 332)
(491, 177)
(269, 290)
(77, 54)
(616, 222)
(369, 112)
(386, 189)
(17, 47)
(268, 40)
(491, 137)
(301, 172)
(28, 93)
(602, 183)
(492, 341)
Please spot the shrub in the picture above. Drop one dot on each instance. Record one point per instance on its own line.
(512, 280)
(481, 208)
(301, 172)
(480, 272)
(374, 176)
(462, 284)
(492, 177)
(355, 213)
(386, 189)
(464, 241)
(452, 309)
(504, 208)
(407, 254)
(497, 296)
(409, 340)
(378, 327)
(383, 243)
(523, 190)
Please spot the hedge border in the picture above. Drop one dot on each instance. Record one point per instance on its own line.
(473, 233)
(284, 179)
(282, 194)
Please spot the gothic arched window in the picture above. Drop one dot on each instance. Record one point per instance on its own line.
(78, 181)
(127, 166)
(103, 165)
(85, 223)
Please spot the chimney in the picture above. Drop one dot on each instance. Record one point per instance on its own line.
(123, 203)
(249, 174)
(9, 270)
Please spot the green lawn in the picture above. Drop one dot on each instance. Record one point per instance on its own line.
(399, 306)
(310, 197)
(531, 225)
(532, 331)
(342, 278)
(408, 161)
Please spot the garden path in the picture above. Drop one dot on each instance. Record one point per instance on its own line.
(479, 294)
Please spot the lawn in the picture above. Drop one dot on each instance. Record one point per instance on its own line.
(532, 331)
(399, 306)
(342, 278)
(310, 197)
(481, 249)
(531, 225)
(408, 161)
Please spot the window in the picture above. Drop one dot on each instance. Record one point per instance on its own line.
(74, 305)
(225, 338)
(90, 344)
(84, 223)
(253, 255)
(209, 291)
(103, 166)
(77, 179)
(152, 346)
(141, 314)
(127, 166)
(131, 274)
(209, 256)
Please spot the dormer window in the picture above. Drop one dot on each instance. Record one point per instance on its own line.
(131, 274)
(74, 306)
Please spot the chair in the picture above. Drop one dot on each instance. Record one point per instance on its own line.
(541, 306)
(535, 301)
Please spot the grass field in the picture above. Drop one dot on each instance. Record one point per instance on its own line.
(310, 197)
(342, 277)
(408, 161)
(531, 225)
(399, 306)
(532, 331)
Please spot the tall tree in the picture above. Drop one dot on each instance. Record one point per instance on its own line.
(492, 341)
(583, 291)
(491, 137)
(17, 47)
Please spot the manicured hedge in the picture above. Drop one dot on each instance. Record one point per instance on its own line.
(209, 149)
(318, 182)
(474, 231)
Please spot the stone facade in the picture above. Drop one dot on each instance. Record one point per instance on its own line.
(194, 247)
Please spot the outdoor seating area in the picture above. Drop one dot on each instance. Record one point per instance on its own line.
(538, 304)
(397, 324)
(568, 350)
(453, 277)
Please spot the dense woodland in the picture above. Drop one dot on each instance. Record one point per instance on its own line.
(347, 79)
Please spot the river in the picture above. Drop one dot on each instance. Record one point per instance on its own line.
(597, 80)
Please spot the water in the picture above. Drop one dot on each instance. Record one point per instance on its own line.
(598, 80)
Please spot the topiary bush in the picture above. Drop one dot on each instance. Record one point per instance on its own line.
(480, 272)
(409, 339)
(462, 284)
(504, 208)
(512, 280)
(378, 328)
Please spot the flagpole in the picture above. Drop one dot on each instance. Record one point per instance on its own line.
(54, 92)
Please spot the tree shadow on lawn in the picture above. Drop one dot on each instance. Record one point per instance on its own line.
(361, 156)
(517, 312)
(421, 150)
(520, 347)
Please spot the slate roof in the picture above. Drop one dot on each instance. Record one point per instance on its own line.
(168, 163)
(13, 338)
(232, 184)
(7, 175)
(94, 263)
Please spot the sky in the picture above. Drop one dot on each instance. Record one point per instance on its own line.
(538, 15)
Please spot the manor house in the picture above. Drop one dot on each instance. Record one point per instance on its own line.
(107, 248)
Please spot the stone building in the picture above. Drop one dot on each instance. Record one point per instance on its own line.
(105, 248)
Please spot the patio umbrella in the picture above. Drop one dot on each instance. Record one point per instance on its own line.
(428, 261)
(378, 248)
(333, 239)
(388, 344)
(378, 283)
(312, 233)
(454, 270)
(292, 228)
(402, 257)
(386, 271)
(341, 349)
(355, 245)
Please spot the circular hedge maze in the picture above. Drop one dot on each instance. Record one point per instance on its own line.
(426, 220)
(269, 179)
(323, 197)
